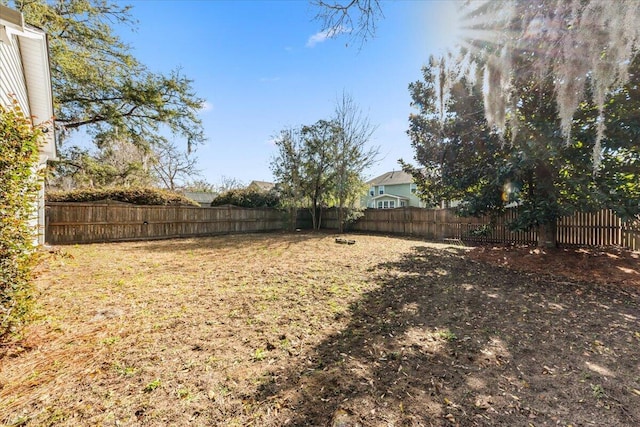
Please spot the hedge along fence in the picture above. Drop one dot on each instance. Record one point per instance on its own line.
(114, 221)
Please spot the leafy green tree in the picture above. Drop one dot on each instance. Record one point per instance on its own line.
(304, 167)
(118, 163)
(322, 165)
(286, 166)
(538, 171)
(318, 166)
(98, 85)
(620, 172)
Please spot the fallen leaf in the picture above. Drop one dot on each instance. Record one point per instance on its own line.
(483, 402)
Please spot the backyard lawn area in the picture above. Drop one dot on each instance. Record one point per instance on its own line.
(293, 329)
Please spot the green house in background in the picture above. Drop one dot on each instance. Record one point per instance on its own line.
(391, 190)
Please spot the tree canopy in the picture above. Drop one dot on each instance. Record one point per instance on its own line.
(120, 163)
(322, 165)
(538, 172)
(99, 85)
(304, 166)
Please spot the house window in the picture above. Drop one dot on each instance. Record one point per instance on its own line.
(392, 204)
(381, 189)
(372, 191)
(414, 188)
(403, 203)
(380, 205)
(385, 204)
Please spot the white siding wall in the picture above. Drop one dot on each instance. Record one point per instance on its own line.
(12, 84)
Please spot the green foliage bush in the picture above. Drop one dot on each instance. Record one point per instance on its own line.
(19, 143)
(134, 195)
(248, 199)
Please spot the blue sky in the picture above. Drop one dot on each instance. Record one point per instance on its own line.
(257, 67)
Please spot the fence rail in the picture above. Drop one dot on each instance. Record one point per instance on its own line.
(100, 222)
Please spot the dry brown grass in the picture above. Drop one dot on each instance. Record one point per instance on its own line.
(203, 321)
(294, 329)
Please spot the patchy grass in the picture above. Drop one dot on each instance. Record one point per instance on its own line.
(293, 329)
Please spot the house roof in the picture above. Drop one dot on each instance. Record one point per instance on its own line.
(34, 53)
(262, 185)
(392, 178)
(200, 196)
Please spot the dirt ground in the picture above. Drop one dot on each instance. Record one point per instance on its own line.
(607, 266)
(294, 329)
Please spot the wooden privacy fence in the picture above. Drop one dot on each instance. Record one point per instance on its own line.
(603, 228)
(435, 224)
(109, 222)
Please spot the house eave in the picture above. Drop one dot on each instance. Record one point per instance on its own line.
(34, 55)
(12, 18)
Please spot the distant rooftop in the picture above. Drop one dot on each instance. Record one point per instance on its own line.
(200, 196)
(261, 185)
(392, 178)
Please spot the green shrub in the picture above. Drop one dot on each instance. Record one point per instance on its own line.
(133, 195)
(248, 199)
(19, 143)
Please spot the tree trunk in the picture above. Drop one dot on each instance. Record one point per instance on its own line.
(293, 218)
(314, 218)
(547, 235)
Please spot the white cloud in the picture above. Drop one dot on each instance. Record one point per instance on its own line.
(322, 36)
(269, 79)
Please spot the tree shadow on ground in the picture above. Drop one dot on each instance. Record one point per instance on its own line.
(448, 341)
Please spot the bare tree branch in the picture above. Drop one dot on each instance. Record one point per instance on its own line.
(355, 17)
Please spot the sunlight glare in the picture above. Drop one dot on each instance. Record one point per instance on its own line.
(447, 26)
(470, 25)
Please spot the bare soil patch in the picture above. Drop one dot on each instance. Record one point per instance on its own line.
(294, 329)
(614, 266)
